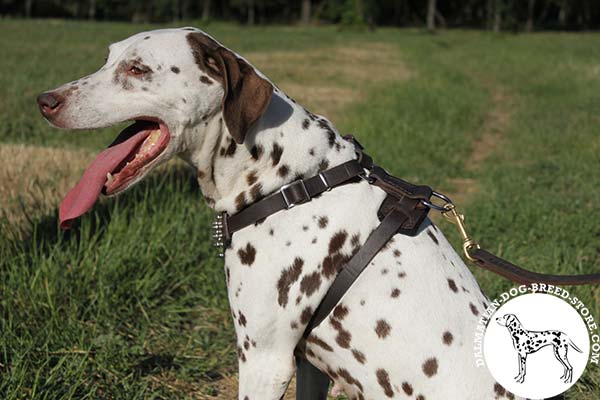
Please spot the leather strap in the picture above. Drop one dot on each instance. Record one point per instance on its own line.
(508, 270)
(295, 193)
(357, 264)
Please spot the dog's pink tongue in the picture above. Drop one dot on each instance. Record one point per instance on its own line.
(83, 196)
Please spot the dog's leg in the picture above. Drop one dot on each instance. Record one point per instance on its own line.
(562, 353)
(266, 377)
(522, 368)
(558, 357)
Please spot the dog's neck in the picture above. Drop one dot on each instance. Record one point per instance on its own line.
(286, 144)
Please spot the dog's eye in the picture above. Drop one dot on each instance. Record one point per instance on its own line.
(136, 70)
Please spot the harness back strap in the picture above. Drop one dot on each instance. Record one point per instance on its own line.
(359, 261)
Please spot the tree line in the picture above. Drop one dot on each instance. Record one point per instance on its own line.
(497, 15)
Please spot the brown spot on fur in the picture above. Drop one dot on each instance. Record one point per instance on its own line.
(384, 381)
(305, 123)
(256, 192)
(175, 69)
(343, 337)
(283, 171)
(430, 367)
(420, 397)
(407, 388)
(230, 151)
(201, 174)
(294, 325)
(317, 341)
(306, 315)
(452, 285)
(349, 378)
(311, 151)
(323, 165)
(340, 311)
(333, 263)
(242, 319)
(276, 154)
(323, 221)
(204, 79)
(397, 253)
(395, 292)
(474, 309)
(310, 283)
(240, 201)
(447, 338)
(432, 236)
(337, 241)
(256, 151)
(359, 355)
(382, 329)
(287, 278)
(251, 178)
(241, 354)
(247, 255)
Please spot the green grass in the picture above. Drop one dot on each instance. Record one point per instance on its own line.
(134, 299)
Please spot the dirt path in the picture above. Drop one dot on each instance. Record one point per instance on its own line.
(35, 178)
(495, 125)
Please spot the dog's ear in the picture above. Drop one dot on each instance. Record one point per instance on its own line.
(247, 95)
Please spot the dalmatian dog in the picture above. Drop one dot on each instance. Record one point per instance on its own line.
(405, 329)
(528, 342)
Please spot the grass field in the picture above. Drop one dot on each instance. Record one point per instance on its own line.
(132, 303)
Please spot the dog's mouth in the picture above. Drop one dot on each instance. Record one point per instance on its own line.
(128, 158)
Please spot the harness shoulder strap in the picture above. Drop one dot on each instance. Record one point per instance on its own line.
(357, 264)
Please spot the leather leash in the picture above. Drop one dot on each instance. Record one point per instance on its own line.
(403, 211)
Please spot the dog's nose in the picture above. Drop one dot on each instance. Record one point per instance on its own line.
(49, 103)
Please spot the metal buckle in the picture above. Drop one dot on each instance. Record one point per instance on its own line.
(324, 181)
(289, 204)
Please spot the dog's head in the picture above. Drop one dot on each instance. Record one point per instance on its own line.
(171, 83)
(508, 320)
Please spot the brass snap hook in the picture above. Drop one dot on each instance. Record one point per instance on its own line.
(454, 217)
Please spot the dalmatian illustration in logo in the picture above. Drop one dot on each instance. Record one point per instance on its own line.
(527, 342)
